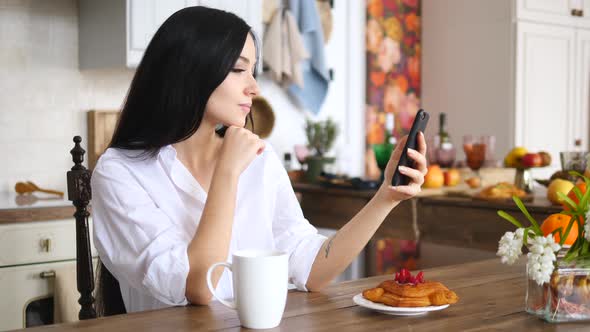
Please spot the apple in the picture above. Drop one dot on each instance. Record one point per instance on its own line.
(452, 177)
(546, 158)
(532, 160)
(434, 178)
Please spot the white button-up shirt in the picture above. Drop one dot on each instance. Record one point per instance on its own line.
(146, 211)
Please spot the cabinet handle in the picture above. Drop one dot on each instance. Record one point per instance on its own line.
(577, 12)
(46, 245)
(47, 274)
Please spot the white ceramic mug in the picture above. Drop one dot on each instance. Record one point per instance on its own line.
(260, 279)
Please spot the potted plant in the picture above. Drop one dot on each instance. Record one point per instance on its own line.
(320, 138)
(558, 259)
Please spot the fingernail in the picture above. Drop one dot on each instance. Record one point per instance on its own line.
(412, 151)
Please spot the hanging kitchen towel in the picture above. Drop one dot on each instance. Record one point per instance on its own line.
(316, 76)
(65, 294)
(283, 49)
(296, 50)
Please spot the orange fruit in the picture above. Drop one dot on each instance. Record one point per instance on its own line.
(557, 220)
(572, 194)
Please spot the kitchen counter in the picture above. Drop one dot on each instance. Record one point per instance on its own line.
(432, 216)
(33, 207)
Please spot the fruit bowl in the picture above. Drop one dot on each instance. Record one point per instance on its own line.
(521, 159)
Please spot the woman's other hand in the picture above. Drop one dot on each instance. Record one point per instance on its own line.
(240, 146)
(415, 174)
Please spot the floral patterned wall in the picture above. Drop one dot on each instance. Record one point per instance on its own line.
(393, 70)
(393, 86)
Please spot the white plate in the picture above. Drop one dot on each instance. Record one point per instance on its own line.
(397, 311)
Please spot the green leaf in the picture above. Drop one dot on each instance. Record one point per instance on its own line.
(567, 231)
(569, 212)
(578, 193)
(584, 250)
(525, 237)
(510, 218)
(571, 204)
(586, 197)
(559, 231)
(522, 208)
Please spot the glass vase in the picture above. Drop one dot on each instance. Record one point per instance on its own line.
(568, 296)
(536, 296)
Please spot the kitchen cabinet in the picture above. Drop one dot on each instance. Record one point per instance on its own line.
(563, 12)
(546, 118)
(30, 253)
(518, 70)
(115, 33)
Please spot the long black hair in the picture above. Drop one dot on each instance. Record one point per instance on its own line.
(187, 59)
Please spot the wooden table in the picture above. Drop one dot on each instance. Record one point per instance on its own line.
(491, 298)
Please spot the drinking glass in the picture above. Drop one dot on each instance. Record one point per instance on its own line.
(490, 142)
(445, 156)
(382, 155)
(475, 152)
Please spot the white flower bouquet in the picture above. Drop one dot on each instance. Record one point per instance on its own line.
(566, 281)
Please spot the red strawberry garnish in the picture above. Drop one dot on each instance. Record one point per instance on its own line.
(420, 277)
(405, 277)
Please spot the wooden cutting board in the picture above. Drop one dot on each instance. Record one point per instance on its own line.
(101, 126)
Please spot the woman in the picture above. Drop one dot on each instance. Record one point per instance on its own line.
(171, 196)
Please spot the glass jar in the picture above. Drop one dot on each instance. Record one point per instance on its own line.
(568, 296)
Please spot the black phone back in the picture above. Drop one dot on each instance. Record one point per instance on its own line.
(419, 125)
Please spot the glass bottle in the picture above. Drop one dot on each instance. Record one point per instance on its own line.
(445, 151)
(389, 125)
(287, 161)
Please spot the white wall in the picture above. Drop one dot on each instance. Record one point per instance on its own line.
(44, 96)
(467, 69)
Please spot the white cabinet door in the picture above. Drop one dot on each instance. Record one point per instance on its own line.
(21, 285)
(144, 17)
(550, 11)
(544, 89)
(582, 87)
(250, 10)
(584, 6)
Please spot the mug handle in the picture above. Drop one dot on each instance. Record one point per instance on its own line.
(229, 304)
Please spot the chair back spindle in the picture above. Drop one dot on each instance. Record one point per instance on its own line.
(80, 193)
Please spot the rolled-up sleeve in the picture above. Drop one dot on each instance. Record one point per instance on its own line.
(294, 234)
(135, 239)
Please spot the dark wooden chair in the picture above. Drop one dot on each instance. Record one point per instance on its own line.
(108, 295)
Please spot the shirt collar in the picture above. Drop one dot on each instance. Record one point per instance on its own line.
(179, 174)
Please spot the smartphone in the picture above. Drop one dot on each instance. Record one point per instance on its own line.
(419, 125)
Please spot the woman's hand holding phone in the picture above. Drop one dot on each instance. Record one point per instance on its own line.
(240, 146)
(415, 174)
